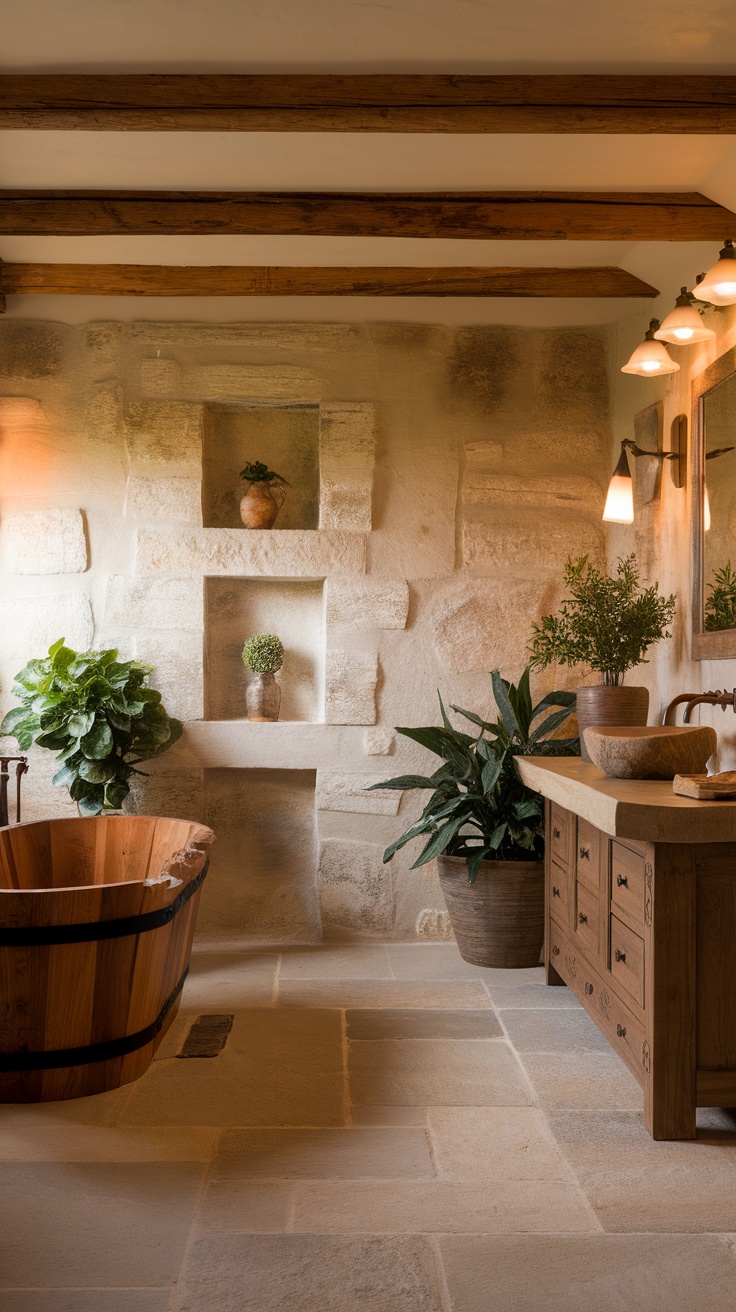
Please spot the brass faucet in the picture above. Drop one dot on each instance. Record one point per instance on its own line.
(693, 699)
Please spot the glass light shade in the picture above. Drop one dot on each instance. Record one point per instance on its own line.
(719, 284)
(706, 509)
(619, 507)
(682, 326)
(650, 358)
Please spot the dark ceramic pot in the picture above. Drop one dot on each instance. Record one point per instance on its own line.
(498, 920)
(605, 705)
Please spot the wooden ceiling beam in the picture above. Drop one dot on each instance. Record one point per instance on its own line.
(241, 280)
(498, 216)
(587, 103)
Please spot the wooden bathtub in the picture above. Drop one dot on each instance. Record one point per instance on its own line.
(96, 925)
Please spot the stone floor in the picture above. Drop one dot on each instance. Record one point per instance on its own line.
(386, 1130)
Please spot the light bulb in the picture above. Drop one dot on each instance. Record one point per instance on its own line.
(619, 507)
(650, 357)
(706, 509)
(683, 324)
(719, 284)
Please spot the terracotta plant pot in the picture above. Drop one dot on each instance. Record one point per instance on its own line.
(259, 507)
(605, 705)
(262, 697)
(498, 920)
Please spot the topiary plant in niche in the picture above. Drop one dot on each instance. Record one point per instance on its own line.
(100, 717)
(263, 655)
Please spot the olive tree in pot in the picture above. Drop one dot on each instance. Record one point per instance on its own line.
(607, 623)
(485, 826)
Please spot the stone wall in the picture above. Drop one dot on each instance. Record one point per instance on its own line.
(457, 470)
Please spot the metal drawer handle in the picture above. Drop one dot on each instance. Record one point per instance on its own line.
(620, 956)
(555, 833)
(621, 1031)
(588, 989)
(584, 853)
(555, 891)
(583, 919)
(555, 951)
(622, 881)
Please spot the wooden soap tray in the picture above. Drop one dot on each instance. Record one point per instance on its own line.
(706, 787)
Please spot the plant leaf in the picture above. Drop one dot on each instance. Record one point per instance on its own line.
(98, 743)
(439, 841)
(403, 783)
(503, 703)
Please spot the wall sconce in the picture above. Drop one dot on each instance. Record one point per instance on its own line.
(650, 358)
(684, 325)
(619, 507)
(719, 284)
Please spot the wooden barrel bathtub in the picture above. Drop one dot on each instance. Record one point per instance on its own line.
(96, 923)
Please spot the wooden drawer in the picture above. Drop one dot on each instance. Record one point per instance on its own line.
(559, 890)
(562, 832)
(628, 882)
(587, 918)
(588, 855)
(627, 959)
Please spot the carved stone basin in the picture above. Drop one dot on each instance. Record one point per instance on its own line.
(649, 751)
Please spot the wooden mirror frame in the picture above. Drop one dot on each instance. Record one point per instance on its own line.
(716, 646)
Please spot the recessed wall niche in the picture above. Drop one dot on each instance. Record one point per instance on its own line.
(285, 437)
(294, 610)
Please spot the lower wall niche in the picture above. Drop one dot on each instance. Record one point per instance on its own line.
(263, 870)
(235, 609)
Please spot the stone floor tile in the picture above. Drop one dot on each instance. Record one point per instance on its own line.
(229, 981)
(435, 1072)
(442, 961)
(102, 1109)
(301, 1273)
(422, 1023)
(95, 1225)
(389, 1115)
(344, 961)
(85, 1300)
(342, 1154)
(599, 1138)
(440, 1206)
(494, 1143)
(382, 993)
(119, 1143)
(245, 1207)
(717, 1121)
(582, 1079)
(279, 1067)
(591, 1273)
(531, 995)
(548, 1030)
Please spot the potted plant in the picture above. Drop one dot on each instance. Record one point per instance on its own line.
(485, 826)
(263, 655)
(100, 717)
(258, 505)
(607, 623)
(720, 606)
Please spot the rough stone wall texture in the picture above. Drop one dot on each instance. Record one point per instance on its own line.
(457, 470)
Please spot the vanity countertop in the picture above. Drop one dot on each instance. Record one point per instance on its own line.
(646, 809)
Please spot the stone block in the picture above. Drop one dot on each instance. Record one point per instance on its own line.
(350, 687)
(251, 382)
(103, 413)
(30, 350)
(434, 924)
(354, 887)
(30, 625)
(270, 337)
(40, 799)
(44, 542)
(485, 487)
(150, 603)
(338, 791)
(298, 553)
(346, 458)
(378, 742)
(540, 544)
(486, 626)
(160, 377)
(176, 793)
(483, 453)
(103, 340)
(178, 500)
(165, 433)
(373, 604)
(177, 671)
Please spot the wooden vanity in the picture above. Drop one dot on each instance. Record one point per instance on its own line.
(641, 925)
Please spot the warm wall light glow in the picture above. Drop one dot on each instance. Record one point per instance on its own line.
(650, 358)
(619, 507)
(719, 284)
(683, 325)
(706, 508)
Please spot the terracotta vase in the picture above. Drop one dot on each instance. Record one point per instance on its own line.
(498, 920)
(605, 705)
(262, 697)
(259, 507)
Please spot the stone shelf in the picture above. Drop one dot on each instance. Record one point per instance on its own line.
(293, 745)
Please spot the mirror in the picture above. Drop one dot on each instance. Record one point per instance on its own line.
(714, 511)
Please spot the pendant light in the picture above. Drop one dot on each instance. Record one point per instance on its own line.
(650, 358)
(684, 325)
(719, 284)
(619, 507)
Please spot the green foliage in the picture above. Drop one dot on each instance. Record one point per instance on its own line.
(260, 473)
(720, 606)
(98, 714)
(263, 653)
(479, 808)
(608, 623)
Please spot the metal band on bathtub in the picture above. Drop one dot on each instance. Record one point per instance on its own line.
(92, 1052)
(43, 936)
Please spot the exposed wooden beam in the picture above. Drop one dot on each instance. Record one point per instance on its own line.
(506, 216)
(586, 103)
(240, 280)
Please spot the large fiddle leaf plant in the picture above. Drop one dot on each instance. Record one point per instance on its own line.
(479, 808)
(100, 717)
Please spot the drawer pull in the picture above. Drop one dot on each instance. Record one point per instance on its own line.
(588, 989)
(619, 956)
(584, 853)
(555, 951)
(621, 1031)
(555, 891)
(582, 918)
(622, 881)
(555, 833)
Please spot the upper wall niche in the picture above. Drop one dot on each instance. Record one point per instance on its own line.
(284, 437)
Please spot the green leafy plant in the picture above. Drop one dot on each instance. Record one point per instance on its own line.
(100, 717)
(263, 653)
(479, 808)
(720, 606)
(260, 473)
(607, 623)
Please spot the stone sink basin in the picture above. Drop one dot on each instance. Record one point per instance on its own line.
(650, 751)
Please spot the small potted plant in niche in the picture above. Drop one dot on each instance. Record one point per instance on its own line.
(485, 826)
(720, 606)
(258, 505)
(100, 717)
(607, 623)
(263, 655)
